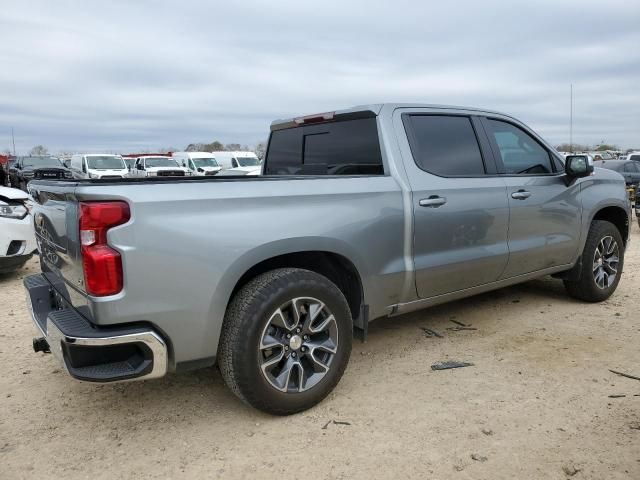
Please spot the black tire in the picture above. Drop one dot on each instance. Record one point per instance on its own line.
(246, 322)
(586, 288)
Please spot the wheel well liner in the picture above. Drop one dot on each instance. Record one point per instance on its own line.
(335, 267)
(618, 217)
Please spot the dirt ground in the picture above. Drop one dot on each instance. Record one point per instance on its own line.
(536, 404)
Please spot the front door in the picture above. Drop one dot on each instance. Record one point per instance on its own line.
(545, 213)
(461, 214)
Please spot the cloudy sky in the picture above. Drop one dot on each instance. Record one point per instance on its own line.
(131, 75)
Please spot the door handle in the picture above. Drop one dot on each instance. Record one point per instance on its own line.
(521, 195)
(434, 201)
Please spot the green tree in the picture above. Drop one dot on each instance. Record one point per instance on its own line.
(39, 150)
(605, 146)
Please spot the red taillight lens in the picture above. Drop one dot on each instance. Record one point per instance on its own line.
(101, 264)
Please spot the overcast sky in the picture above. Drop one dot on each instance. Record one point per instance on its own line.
(132, 75)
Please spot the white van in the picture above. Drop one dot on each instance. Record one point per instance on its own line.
(239, 161)
(199, 163)
(98, 165)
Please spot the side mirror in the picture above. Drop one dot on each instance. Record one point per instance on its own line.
(578, 166)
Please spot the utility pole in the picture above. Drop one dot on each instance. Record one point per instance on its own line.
(571, 121)
(13, 140)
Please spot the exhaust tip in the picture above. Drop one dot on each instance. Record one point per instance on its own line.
(40, 344)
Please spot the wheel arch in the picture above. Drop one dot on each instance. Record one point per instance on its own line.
(617, 216)
(336, 267)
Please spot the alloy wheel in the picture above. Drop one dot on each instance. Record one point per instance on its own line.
(298, 345)
(605, 262)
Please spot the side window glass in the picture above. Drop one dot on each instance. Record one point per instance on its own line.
(444, 145)
(519, 152)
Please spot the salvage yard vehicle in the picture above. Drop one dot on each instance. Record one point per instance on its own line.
(158, 167)
(362, 213)
(17, 238)
(98, 165)
(198, 163)
(26, 169)
(629, 169)
(247, 162)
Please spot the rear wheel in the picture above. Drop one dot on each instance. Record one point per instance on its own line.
(286, 340)
(602, 262)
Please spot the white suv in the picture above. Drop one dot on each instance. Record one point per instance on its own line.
(17, 238)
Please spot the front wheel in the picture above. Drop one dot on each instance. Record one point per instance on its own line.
(602, 262)
(286, 340)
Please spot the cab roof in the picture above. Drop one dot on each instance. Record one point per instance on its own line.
(369, 110)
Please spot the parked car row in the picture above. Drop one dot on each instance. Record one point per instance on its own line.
(21, 170)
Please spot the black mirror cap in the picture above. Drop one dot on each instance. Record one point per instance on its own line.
(578, 166)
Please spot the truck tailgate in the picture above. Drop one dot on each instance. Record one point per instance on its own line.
(55, 216)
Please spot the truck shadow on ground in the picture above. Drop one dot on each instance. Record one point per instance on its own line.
(202, 394)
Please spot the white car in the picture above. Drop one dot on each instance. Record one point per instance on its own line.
(98, 165)
(634, 156)
(241, 161)
(156, 166)
(17, 237)
(198, 163)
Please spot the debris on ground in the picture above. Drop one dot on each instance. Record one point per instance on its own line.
(617, 396)
(430, 333)
(460, 324)
(450, 364)
(625, 375)
(478, 458)
(487, 431)
(335, 422)
(457, 329)
(570, 470)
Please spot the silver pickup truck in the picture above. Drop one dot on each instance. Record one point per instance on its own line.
(362, 213)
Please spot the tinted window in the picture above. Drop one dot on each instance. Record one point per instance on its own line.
(445, 145)
(347, 147)
(519, 152)
(634, 157)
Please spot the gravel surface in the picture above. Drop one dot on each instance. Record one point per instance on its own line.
(538, 401)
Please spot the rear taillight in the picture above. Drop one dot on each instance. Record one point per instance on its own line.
(101, 264)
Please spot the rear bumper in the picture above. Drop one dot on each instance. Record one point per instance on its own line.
(90, 353)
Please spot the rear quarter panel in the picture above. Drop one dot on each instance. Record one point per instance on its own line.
(187, 244)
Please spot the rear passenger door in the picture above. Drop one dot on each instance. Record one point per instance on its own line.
(545, 213)
(461, 212)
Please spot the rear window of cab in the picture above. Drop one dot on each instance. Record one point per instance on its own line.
(348, 147)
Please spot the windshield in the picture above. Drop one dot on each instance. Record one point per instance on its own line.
(160, 162)
(634, 157)
(105, 162)
(41, 162)
(248, 161)
(204, 162)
